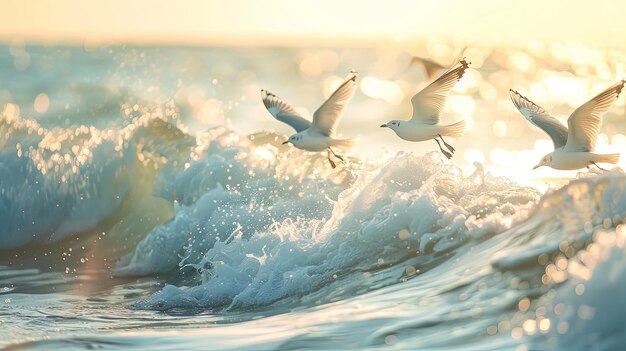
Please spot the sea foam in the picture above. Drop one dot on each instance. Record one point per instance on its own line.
(273, 236)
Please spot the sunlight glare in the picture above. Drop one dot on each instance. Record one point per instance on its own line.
(382, 89)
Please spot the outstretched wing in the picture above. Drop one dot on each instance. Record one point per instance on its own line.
(283, 112)
(584, 123)
(428, 104)
(431, 67)
(326, 118)
(536, 115)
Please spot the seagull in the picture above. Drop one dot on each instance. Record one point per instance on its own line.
(428, 106)
(320, 134)
(574, 144)
(431, 67)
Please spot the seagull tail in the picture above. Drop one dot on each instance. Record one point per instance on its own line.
(344, 144)
(454, 130)
(610, 158)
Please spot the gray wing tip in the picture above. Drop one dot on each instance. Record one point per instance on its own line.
(514, 94)
(354, 74)
(266, 93)
(608, 93)
(516, 97)
(266, 96)
(461, 69)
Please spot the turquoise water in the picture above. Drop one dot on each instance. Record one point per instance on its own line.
(146, 202)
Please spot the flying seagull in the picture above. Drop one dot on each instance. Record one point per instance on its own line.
(574, 144)
(431, 67)
(319, 135)
(428, 106)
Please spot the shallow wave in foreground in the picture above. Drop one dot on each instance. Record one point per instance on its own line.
(398, 252)
(553, 280)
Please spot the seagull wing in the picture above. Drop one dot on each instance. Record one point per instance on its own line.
(431, 67)
(584, 123)
(428, 104)
(536, 115)
(283, 112)
(326, 118)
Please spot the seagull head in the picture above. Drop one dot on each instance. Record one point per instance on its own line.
(545, 161)
(392, 124)
(294, 139)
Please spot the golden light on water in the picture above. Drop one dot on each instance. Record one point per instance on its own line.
(558, 65)
(382, 89)
(41, 103)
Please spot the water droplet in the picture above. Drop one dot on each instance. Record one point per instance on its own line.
(403, 234)
(390, 339)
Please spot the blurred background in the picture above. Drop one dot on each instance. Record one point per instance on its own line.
(70, 62)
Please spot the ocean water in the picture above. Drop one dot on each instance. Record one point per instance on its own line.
(147, 203)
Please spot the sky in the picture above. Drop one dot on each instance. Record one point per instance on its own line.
(308, 22)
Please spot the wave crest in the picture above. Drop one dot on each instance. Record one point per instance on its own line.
(403, 217)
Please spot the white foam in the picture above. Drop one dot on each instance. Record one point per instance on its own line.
(411, 206)
(236, 194)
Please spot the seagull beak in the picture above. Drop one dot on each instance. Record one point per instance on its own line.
(537, 166)
(383, 126)
(285, 142)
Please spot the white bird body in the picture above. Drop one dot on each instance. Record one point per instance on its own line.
(428, 107)
(412, 131)
(573, 145)
(568, 160)
(313, 141)
(320, 134)
(415, 131)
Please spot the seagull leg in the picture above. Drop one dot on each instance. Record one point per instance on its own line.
(593, 163)
(334, 154)
(446, 153)
(452, 150)
(332, 163)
